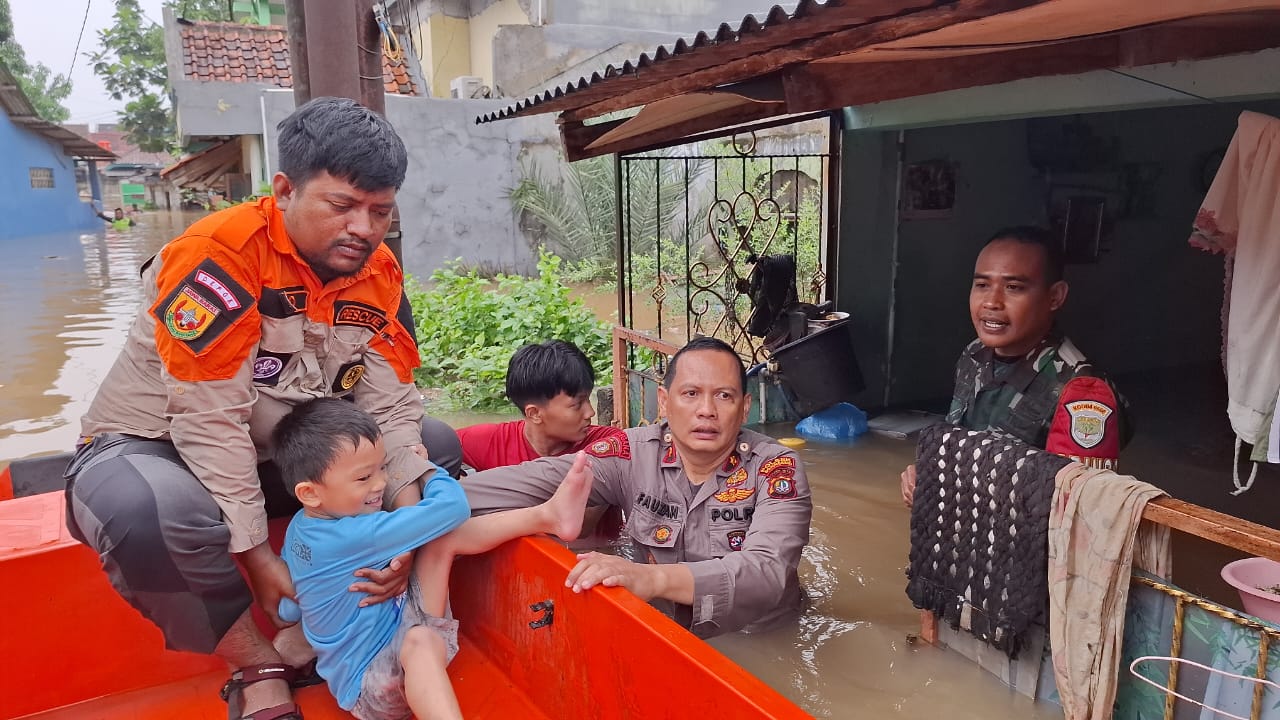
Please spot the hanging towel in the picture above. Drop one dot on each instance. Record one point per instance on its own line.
(1241, 218)
(1094, 542)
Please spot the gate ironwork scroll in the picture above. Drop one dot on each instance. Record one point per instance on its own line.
(693, 221)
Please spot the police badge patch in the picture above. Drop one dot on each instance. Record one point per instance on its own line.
(1088, 422)
(662, 534)
(736, 539)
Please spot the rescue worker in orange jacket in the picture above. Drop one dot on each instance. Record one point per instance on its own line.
(718, 515)
(252, 310)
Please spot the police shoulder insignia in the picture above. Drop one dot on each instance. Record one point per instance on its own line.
(782, 488)
(736, 539)
(615, 445)
(780, 474)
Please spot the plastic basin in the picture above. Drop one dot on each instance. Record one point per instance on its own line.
(1247, 576)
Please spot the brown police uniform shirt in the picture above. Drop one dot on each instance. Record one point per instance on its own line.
(740, 533)
(235, 329)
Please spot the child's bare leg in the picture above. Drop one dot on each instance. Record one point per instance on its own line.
(561, 516)
(426, 682)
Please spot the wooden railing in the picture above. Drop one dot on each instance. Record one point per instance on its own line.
(624, 337)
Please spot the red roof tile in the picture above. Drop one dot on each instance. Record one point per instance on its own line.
(231, 52)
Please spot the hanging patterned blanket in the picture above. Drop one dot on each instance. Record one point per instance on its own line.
(979, 528)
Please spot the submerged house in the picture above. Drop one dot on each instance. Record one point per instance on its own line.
(38, 180)
(1105, 123)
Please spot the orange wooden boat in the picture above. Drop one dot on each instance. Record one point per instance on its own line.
(73, 649)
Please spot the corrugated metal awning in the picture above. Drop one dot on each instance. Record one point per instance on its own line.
(825, 56)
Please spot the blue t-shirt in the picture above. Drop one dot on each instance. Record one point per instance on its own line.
(323, 554)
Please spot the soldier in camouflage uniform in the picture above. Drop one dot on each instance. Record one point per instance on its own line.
(1022, 377)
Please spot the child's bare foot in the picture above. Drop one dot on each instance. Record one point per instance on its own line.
(566, 506)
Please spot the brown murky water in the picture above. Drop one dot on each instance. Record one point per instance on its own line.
(66, 301)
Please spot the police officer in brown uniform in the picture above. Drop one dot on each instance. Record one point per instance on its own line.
(721, 514)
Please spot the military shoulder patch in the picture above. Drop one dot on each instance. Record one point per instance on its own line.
(203, 306)
(613, 446)
(1086, 423)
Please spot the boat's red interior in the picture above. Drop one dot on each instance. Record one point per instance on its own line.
(75, 649)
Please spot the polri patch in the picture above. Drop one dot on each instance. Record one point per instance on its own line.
(349, 312)
(613, 446)
(662, 534)
(782, 487)
(736, 539)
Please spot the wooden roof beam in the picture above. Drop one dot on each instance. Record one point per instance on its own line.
(831, 84)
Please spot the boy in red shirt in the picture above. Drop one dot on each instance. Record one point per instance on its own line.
(551, 383)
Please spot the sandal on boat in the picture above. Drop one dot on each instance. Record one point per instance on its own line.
(233, 692)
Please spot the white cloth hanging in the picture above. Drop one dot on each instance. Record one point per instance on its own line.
(1241, 216)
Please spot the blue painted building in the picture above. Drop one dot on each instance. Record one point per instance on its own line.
(38, 191)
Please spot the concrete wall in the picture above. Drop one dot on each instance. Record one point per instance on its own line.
(212, 109)
(1150, 302)
(29, 211)
(453, 204)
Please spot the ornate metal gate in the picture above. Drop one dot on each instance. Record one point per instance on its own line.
(693, 220)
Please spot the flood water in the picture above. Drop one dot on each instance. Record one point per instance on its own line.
(66, 302)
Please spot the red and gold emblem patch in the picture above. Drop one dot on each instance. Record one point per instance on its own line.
(189, 315)
(782, 487)
(736, 539)
(662, 534)
(615, 445)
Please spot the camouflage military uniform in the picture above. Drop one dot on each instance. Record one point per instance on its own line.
(1052, 398)
(740, 533)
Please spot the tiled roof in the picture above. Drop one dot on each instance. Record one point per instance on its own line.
(231, 52)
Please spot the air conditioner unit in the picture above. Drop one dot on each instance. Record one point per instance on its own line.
(465, 86)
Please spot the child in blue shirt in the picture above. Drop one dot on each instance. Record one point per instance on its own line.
(387, 660)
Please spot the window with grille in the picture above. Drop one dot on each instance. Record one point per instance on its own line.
(41, 177)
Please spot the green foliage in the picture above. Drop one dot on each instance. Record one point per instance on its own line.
(45, 89)
(468, 326)
(132, 66)
(576, 213)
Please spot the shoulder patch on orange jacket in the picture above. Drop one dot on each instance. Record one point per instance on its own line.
(205, 311)
(1086, 423)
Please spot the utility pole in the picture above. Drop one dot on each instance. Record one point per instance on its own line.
(335, 50)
